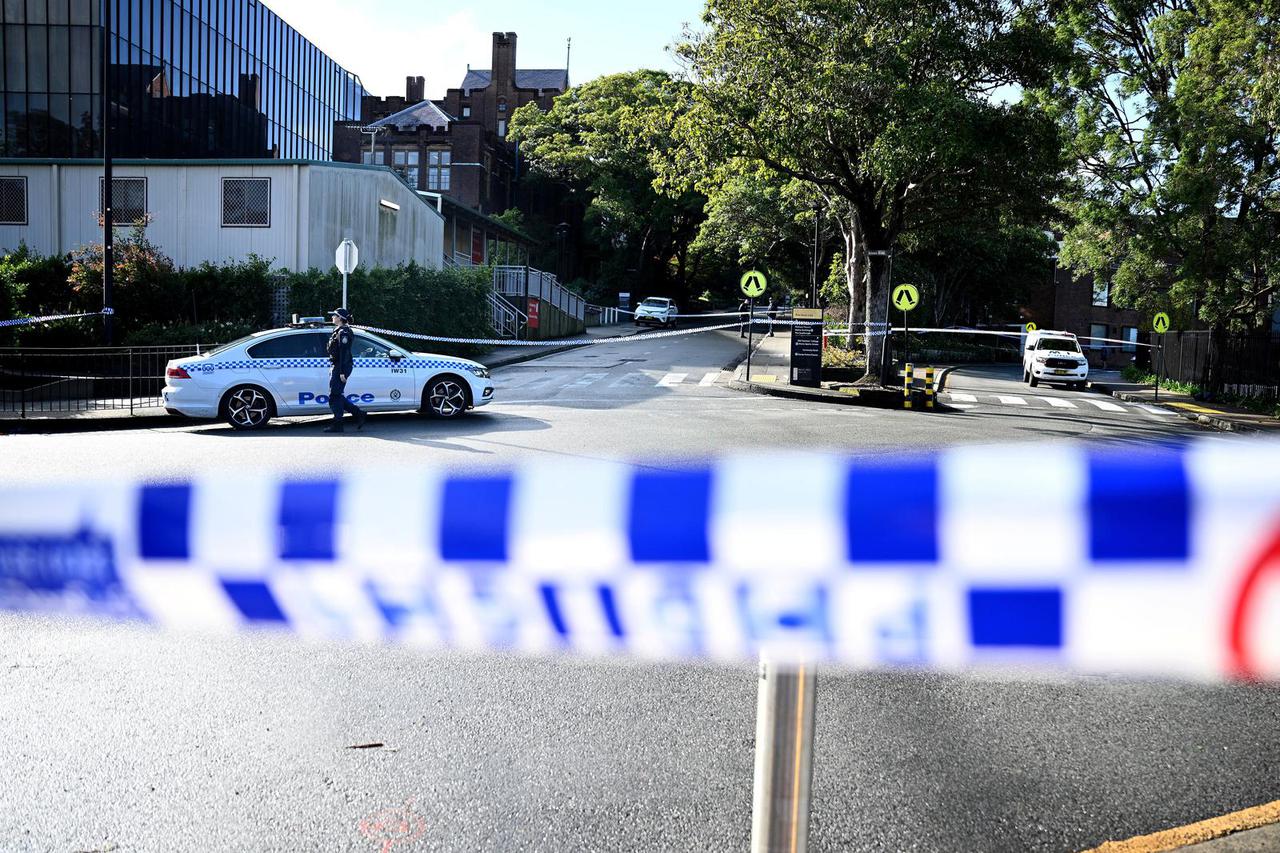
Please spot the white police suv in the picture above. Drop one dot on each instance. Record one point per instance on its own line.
(1054, 357)
(282, 372)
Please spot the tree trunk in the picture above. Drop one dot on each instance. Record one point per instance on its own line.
(854, 270)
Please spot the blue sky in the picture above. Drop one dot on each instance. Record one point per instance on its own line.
(386, 40)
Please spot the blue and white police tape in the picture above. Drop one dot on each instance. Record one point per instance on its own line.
(556, 342)
(1162, 561)
(49, 318)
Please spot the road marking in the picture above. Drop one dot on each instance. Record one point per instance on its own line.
(962, 405)
(1011, 401)
(1199, 410)
(764, 377)
(585, 379)
(1195, 833)
(963, 398)
(672, 379)
(1156, 411)
(1105, 406)
(1058, 402)
(709, 379)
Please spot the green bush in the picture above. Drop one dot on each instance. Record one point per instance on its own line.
(449, 302)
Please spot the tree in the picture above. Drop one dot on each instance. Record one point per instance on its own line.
(606, 138)
(1172, 108)
(885, 107)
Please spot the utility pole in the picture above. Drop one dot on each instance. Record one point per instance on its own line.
(108, 250)
(817, 219)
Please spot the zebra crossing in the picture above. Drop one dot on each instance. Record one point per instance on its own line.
(558, 380)
(1083, 404)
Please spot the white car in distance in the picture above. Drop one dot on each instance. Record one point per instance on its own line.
(285, 372)
(1054, 357)
(657, 311)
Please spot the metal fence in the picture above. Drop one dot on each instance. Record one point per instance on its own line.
(527, 281)
(44, 380)
(1250, 364)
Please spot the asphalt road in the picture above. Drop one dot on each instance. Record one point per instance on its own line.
(116, 738)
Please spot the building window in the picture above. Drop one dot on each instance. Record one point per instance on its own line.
(1097, 330)
(502, 105)
(1130, 334)
(128, 200)
(369, 158)
(438, 170)
(1102, 292)
(466, 112)
(13, 201)
(502, 127)
(406, 163)
(246, 202)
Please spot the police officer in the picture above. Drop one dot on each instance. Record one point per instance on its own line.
(339, 349)
(773, 314)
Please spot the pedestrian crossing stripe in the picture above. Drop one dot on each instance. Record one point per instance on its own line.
(1052, 402)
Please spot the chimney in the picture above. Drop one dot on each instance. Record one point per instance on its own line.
(504, 62)
(415, 90)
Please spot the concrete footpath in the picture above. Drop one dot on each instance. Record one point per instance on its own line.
(146, 413)
(1216, 415)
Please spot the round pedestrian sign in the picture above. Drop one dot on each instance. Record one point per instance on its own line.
(906, 297)
(1031, 327)
(1161, 322)
(753, 283)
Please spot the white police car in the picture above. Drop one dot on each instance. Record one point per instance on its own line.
(282, 372)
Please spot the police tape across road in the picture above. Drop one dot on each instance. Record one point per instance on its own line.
(1160, 561)
(49, 318)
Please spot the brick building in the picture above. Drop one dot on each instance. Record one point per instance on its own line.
(456, 146)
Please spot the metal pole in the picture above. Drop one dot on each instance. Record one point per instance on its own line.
(784, 758)
(1160, 368)
(751, 327)
(344, 289)
(108, 250)
(885, 362)
(816, 218)
(908, 379)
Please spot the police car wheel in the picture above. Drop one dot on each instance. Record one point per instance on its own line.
(445, 397)
(247, 407)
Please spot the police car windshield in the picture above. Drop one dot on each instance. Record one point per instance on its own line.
(1059, 343)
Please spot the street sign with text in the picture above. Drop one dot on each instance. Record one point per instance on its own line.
(806, 347)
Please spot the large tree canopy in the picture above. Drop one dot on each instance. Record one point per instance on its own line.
(1172, 112)
(885, 107)
(606, 137)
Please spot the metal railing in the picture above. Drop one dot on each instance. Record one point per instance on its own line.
(46, 380)
(506, 320)
(527, 281)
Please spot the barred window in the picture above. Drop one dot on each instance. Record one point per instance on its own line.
(128, 200)
(246, 202)
(13, 201)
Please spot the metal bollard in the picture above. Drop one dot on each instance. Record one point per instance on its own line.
(784, 758)
(928, 387)
(908, 380)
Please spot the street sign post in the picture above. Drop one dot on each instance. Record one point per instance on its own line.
(906, 297)
(345, 258)
(753, 284)
(806, 347)
(1160, 323)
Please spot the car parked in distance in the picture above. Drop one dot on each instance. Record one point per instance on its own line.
(1054, 357)
(657, 311)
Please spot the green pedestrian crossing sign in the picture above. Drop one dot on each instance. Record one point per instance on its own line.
(753, 283)
(906, 297)
(1161, 322)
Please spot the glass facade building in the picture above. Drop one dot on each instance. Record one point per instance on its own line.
(188, 79)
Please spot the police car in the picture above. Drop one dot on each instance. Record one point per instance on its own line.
(1054, 357)
(285, 372)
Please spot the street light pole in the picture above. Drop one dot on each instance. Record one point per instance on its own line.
(108, 250)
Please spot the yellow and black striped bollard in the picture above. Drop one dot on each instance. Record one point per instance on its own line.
(907, 379)
(928, 387)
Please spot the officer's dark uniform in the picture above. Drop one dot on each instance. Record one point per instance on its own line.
(773, 315)
(339, 350)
